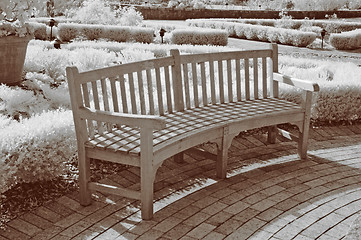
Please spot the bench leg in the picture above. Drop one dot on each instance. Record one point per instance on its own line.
(305, 127)
(179, 157)
(84, 178)
(147, 173)
(303, 140)
(272, 134)
(221, 164)
(222, 155)
(146, 194)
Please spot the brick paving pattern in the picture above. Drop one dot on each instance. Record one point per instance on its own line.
(269, 194)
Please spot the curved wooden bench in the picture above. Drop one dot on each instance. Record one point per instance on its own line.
(144, 112)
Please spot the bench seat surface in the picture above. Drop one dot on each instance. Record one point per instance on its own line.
(190, 122)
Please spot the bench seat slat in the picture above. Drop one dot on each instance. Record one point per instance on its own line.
(127, 139)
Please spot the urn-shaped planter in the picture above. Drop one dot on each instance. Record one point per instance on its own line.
(12, 58)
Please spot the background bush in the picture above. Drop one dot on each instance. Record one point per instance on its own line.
(304, 5)
(346, 40)
(200, 36)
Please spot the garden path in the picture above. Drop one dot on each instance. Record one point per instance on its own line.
(269, 194)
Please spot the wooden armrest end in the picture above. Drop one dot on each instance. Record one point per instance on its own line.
(132, 120)
(304, 84)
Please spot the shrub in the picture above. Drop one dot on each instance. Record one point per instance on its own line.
(340, 88)
(95, 12)
(68, 31)
(347, 40)
(142, 35)
(40, 30)
(118, 34)
(92, 32)
(130, 17)
(200, 37)
(36, 148)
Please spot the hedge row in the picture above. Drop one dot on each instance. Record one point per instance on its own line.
(70, 31)
(261, 33)
(200, 37)
(41, 31)
(331, 26)
(346, 40)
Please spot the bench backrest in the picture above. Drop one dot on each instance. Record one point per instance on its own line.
(176, 82)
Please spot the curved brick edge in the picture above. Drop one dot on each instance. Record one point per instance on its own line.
(278, 196)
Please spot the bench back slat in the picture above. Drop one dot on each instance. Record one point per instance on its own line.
(264, 77)
(186, 86)
(141, 92)
(168, 89)
(255, 78)
(213, 83)
(114, 91)
(123, 93)
(230, 80)
(150, 92)
(238, 80)
(220, 81)
(246, 79)
(195, 85)
(159, 91)
(132, 93)
(204, 83)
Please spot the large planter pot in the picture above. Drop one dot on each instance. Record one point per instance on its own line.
(12, 57)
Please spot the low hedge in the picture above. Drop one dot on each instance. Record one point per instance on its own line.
(331, 26)
(261, 33)
(41, 31)
(70, 31)
(198, 36)
(346, 40)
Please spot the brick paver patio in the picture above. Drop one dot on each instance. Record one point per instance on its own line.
(269, 194)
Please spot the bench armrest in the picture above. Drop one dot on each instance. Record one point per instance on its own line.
(305, 85)
(132, 120)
